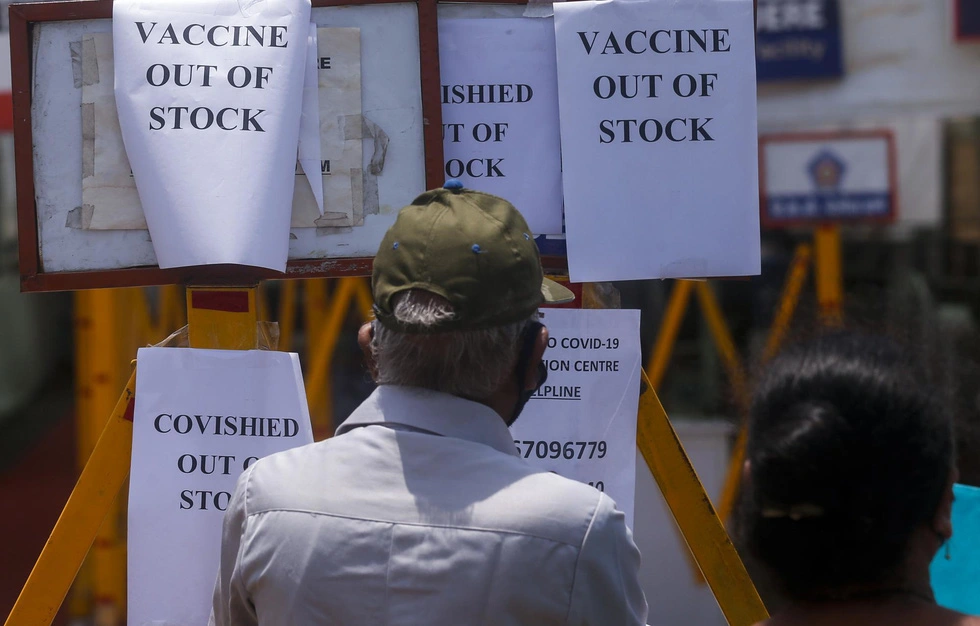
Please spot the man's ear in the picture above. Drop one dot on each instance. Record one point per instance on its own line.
(364, 337)
(537, 353)
(942, 523)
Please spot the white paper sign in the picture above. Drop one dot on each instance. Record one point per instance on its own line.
(582, 422)
(110, 200)
(659, 139)
(209, 94)
(201, 417)
(309, 122)
(500, 113)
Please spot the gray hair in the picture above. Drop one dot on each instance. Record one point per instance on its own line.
(468, 363)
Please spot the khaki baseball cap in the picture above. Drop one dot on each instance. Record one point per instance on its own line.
(473, 249)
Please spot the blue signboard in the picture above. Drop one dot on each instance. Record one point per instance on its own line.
(968, 20)
(798, 40)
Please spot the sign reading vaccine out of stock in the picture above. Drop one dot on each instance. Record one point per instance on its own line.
(658, 138)
(798, 40)
(845, 177)
(213, 136)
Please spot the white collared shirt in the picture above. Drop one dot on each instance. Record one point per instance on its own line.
(420, 512)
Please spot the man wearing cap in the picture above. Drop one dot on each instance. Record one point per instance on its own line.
(420, 511)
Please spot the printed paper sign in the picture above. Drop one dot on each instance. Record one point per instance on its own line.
(658, 138)
(209, 94)
(500, 113)
(201, 418)
(582, 422)
(341, 145)
(828, 177)
(109, 197)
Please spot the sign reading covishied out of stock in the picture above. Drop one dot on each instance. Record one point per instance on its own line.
(658, 138)
(500, 113)
(201, 418)
(581, 423)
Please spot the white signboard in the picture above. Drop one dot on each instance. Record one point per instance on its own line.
(582, 422)
(828, 177)
(201, 418)
(209, 94)
(658, 138)
(500, 113)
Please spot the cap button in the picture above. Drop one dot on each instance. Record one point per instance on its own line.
(453, 184)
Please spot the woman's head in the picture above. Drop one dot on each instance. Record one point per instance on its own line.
(850, 453)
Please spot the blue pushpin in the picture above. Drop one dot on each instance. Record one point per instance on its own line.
(453, 184)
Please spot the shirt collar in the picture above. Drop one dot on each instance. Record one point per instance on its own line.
(433, 411)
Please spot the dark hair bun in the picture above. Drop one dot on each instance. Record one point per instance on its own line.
(850, 451)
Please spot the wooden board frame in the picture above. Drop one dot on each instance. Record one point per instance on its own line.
(24, 16)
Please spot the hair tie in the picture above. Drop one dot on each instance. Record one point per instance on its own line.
(795, 512)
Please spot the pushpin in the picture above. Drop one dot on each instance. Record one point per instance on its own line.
(453, 184)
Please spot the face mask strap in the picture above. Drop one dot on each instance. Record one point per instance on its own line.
(523, 358)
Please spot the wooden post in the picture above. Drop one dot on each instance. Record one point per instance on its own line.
(777, 333)
(695, 516)
(669, 327)
(830, 279)
(222, 318)
(287, 314)
(76, 528)
(790, 297)
(325, 332)
(724, 343)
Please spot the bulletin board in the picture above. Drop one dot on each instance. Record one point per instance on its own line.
(399, 99)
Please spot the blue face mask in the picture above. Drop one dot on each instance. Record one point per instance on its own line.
(527, 347)
(955, 570)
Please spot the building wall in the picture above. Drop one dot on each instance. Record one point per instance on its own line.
(903, 71)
